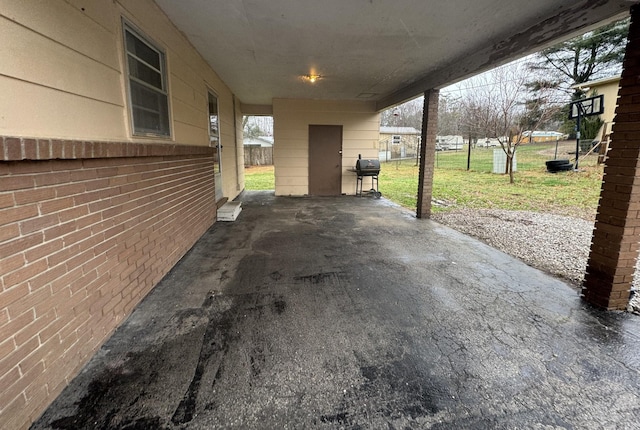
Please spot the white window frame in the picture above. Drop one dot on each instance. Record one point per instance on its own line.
(163, 109)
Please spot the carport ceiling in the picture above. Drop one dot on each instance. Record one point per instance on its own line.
(385, 51)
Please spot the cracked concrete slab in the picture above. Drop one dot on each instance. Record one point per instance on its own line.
(350, 313)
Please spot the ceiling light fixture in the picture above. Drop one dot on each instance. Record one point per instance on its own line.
(312, 78)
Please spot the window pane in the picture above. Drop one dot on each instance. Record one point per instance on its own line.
(213, 125)
(213, 115)
(150, 113)
(147, 86)
(145, 73)
(142, 50)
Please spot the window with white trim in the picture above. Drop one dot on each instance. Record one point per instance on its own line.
(147, 84)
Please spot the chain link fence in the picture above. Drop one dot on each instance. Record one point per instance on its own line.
(486, 155)
(529, 156)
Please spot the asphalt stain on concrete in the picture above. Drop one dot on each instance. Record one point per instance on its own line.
(100, 407)
(214, 342)
(317, 278)
(116, 397)
(397, 390)
(279, 306)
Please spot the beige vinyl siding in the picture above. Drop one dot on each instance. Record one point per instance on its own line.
(90, 78)
(64, 69)
(239, 148)
(609, 89)
(229, 153)
(292, 118)
(60, 74)
(33, 110)
(89, 32)
(610, 92)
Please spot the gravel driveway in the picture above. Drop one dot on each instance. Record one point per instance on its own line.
(554, 243)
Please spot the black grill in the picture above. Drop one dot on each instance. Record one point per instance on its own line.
(367, 167)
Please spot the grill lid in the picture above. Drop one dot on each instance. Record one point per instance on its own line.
(368, 166)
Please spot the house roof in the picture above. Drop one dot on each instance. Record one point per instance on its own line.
(398, 130)
(384, 51)
(542, 133)
(263, 141)
(597, 82)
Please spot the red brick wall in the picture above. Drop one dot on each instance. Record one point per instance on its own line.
(614, 246)
(86, 230)
(427, 153)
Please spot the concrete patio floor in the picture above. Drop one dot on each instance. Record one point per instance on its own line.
(351, 313)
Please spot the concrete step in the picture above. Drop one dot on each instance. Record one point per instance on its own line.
(229, 211)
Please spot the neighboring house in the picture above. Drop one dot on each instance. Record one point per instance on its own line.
(258, 151)
(607, 87)
(449, 143)
(488, 142)
(259, 141)
(396, 143)
(527, 137)
(542, 136)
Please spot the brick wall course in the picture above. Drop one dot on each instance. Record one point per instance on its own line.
(7, 200)
(614, 248)
(429, 130)
(82, 241)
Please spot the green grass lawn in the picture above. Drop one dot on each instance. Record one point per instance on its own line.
(259, 178)
(569, 193)
(535, 189)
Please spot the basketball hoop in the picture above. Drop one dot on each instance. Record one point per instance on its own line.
(585, 107)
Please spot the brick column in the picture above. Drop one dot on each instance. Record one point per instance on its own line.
(614, 246)
(427, 152)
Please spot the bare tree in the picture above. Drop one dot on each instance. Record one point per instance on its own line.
(449, 115)
(499, 104)
(254, 126)
(408, 114)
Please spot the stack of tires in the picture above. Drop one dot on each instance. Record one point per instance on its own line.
(555, 166)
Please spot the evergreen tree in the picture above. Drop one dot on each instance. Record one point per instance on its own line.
(595, 54)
